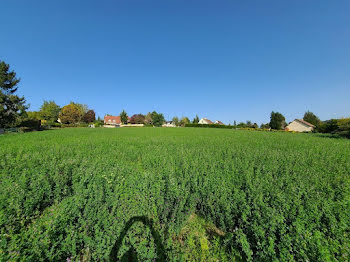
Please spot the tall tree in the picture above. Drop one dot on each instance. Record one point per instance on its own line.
(277, 121)
(176, 120)
(70, 114)
(11, 106)
(157, 118)
(49, 111)
(312, 118)
(184, 120)
(195, 120)
(82, 111)
(148, 118)
(124, 117)
(89, 116)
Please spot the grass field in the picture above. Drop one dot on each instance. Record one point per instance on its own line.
(174, 194)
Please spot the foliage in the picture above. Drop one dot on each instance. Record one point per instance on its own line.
(12, 106)
(248, 124)
(31, 124)
(70, 114)
(34, 115)
(137, 119)
(89, 116)
(49, 111)
(83, 109)
(277, 121)
(157, 118)
(195, 120)
(148, 119)
(312, 119)
(124, 117)
(329, 126)
(184, 121)
(265, 126)
(343, 127)
(209, 126)
(176, 120)
(276, 196)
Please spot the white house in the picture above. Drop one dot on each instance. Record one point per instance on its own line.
(205, 121)
(169, 124)
(300, 125)
(217, 122)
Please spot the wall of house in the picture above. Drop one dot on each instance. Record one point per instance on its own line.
(298, 127)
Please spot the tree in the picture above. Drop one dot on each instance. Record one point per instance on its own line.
(195, 120)
(265, 126)
(234, 124)
(157, 118)
(176, 120)
(89, 116)
(312, 118)
(12, 107)
(137, 119)
(148, 119)
(277, 121)
(124, 117)
(34, 115)
(82, 110)
(49, 111)
(184, 120)
(70, 114)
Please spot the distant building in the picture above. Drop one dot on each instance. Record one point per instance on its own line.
(205, 121)
(112, 120)
(300, 125)
(217, 122)
(169, 124)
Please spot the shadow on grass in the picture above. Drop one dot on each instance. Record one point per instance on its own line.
(131, 255)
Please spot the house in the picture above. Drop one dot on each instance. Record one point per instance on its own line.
(205, 121)
(169, 124)
(217, 122)
(300, 125)
(112, 120)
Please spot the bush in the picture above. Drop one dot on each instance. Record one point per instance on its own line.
(208, 126)
(30, 124)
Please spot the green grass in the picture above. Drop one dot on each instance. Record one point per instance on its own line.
(203, 194)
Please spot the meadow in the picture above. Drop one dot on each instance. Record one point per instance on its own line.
(175, 194)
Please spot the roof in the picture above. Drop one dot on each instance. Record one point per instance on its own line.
(109, 119)
(219, 122)
(207, 120)
(304, 122)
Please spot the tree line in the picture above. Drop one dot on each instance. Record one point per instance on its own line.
(13, 112)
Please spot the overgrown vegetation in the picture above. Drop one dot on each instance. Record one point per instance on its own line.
(269, 196)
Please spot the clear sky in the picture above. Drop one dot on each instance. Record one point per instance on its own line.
(224, 60)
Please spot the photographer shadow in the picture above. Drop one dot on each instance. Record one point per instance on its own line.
(131, 255)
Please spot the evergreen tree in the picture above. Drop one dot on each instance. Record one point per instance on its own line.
(12, 107)
(124, 117)
(195, 120)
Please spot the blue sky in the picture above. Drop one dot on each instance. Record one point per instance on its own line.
(225, 60)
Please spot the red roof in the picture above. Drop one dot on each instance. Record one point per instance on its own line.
(113, 120)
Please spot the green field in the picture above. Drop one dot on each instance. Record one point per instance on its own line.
(174, 194)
